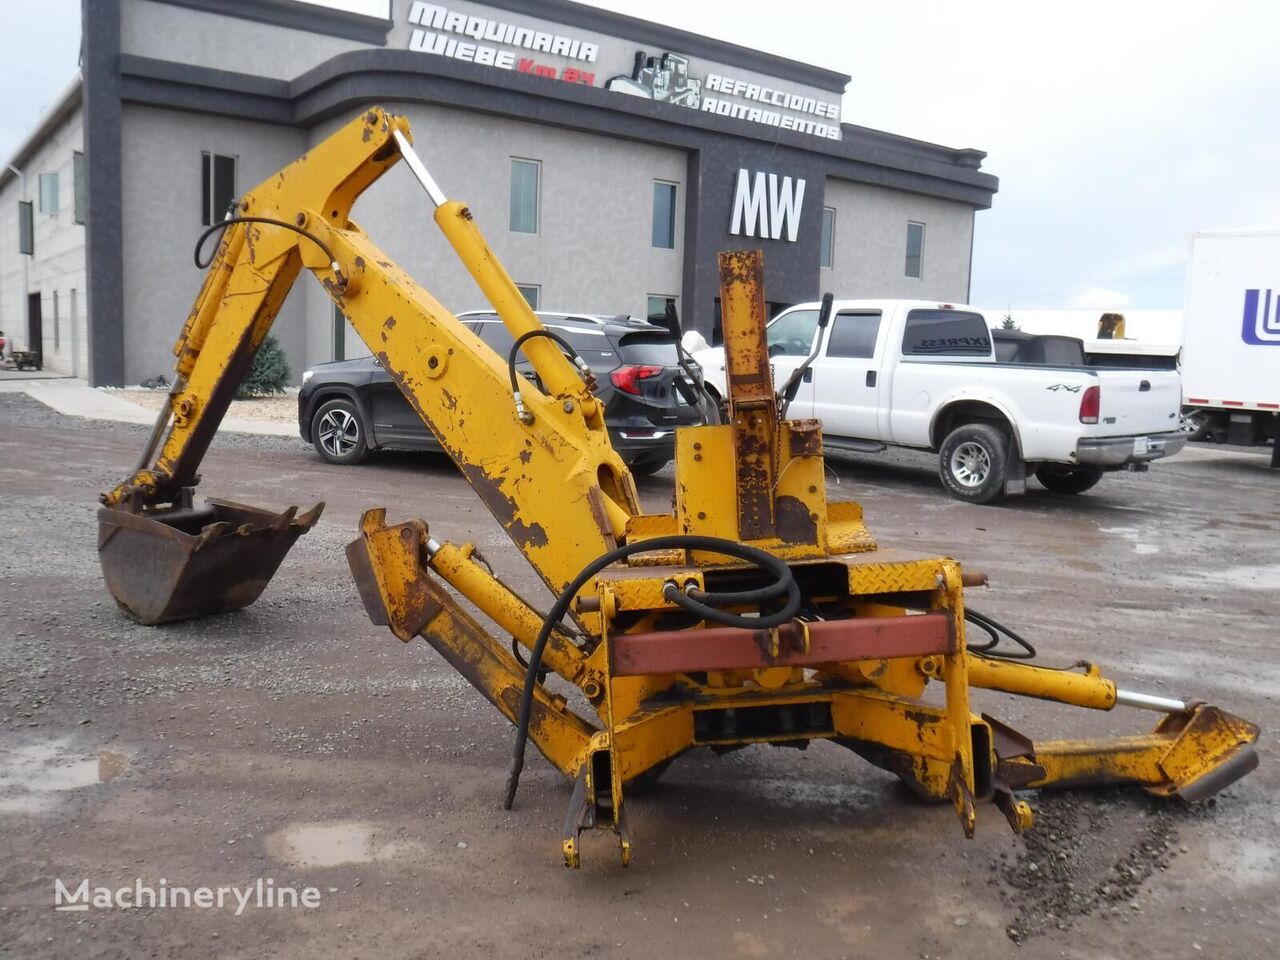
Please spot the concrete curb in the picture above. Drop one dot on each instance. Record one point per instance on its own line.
(75, 398)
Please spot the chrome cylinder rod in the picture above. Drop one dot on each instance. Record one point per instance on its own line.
(419, 170)
(1145, 701)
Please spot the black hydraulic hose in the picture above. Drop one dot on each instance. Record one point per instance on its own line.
(709, 611)
(531, 334)
(730, 548)
(223, 224)
(995, 629)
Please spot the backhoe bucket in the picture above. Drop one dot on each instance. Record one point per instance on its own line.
(182, 563)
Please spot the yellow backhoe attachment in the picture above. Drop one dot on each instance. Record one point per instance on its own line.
(756, 612)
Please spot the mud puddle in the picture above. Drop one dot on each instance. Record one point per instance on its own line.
(33, 776)
(334, 844)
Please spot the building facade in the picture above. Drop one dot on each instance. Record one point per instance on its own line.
(607, 160)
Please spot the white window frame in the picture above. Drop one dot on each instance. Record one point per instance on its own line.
(535, 302)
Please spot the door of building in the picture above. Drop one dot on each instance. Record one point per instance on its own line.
(35, 329)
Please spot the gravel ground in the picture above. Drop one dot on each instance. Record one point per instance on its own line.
(295, 741)
(281, 409)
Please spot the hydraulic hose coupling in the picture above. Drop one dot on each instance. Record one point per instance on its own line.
(522, 412)
(588, 377)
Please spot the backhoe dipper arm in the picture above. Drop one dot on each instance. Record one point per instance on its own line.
(557, 457)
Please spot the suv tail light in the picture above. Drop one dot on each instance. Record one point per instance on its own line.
(627, 378)
(1090, 402)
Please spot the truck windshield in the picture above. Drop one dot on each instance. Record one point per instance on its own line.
(945, 333)
(791, 335)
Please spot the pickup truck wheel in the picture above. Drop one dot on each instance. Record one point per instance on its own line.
(338, 434)
(972, 461)
(1063, 479)
(1196, 425)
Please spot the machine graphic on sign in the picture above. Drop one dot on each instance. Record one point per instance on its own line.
(665, 78)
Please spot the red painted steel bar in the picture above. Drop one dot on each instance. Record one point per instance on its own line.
(732, 648)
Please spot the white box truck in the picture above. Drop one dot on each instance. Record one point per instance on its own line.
(1231, 336)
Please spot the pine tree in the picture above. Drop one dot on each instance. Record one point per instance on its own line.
(268, 373)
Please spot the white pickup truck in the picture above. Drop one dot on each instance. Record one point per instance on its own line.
(919, 374)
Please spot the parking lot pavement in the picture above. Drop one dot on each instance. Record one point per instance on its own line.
(294, 741)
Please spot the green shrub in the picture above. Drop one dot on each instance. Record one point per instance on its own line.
(268, 374)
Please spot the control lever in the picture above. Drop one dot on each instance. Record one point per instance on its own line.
(789, 389)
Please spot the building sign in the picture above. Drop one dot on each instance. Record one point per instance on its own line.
(667, 78)
(469, 32)
(767, 206)
(769, 105)
(461, 36)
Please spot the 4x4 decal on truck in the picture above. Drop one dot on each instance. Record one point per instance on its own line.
(1072, 387)
(1261, 325)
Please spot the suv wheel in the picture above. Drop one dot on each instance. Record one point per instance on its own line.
(646, 466)
(1064, 479)
(337, 433)
(971, 462)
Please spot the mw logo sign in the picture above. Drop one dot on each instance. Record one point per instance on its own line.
(1261, 318)
(767, 206)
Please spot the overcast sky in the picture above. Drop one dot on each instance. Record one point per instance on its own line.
(1116, 128)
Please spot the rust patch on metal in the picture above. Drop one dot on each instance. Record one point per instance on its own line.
(805, 438)
(600, 514)
(920, 718)
(795, 524)
(754, 476)
(526, 455)
(396, 588)
(740, 266)
(503, 508)
(450, 400)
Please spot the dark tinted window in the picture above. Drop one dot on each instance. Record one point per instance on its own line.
(495, 334)
(1063, 352)
(1007, 351)
(915, 250)
(26, 227)
(946, 333)
(664, 215)
(648, 348)
(853, 335)
(217, 186)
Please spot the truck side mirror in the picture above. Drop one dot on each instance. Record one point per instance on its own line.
(824, 315)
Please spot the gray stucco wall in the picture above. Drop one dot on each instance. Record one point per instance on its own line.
(871, 244)
(161, 220)
(168, 32)
(57, 270)
(593, 250)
